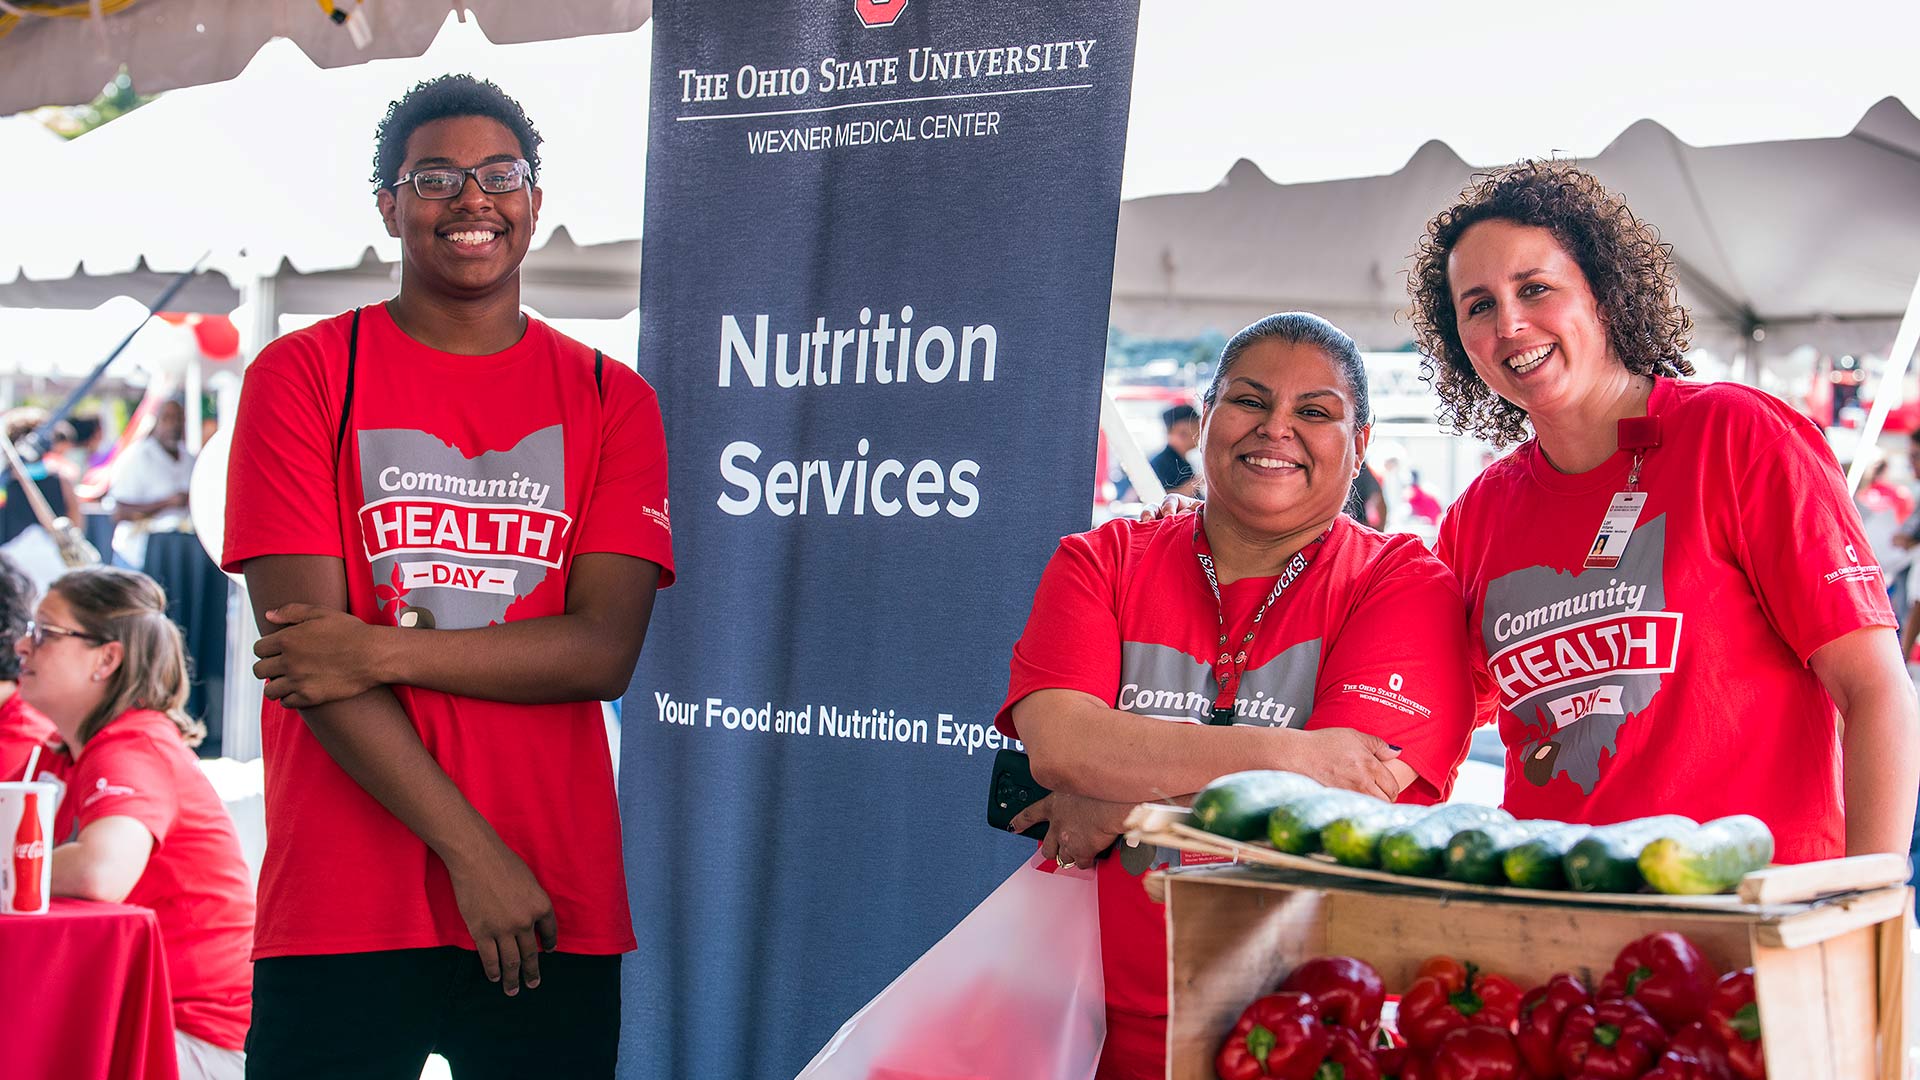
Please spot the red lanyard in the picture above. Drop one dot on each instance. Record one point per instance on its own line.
(1232, 665)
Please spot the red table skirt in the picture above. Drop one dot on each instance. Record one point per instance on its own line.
(84, 995)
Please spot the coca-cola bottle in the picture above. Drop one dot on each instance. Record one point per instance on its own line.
(29, 858)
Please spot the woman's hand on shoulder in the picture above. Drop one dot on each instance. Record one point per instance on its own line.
(1344, 758)
(1169, 506)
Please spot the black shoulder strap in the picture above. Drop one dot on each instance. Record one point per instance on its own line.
(346, 403)
(598, 361)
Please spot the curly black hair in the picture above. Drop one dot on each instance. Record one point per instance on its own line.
(1628, 268)
(438, 99)
(17, 595)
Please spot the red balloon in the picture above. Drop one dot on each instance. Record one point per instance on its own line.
(219, 338)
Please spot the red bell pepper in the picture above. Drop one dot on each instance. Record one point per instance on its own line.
(1543, 1012)
(1667, 975)
(1395, 1063)
(1347, 1057)
(1734, 1015)
(1450, 1000)
(1347, 992)
(1476, 1053)
(1695, 1054)
(1277, 1036)
(1614, 1040)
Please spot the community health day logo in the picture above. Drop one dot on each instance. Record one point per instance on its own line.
(1574, 655)
(454, 541)
(877, 13)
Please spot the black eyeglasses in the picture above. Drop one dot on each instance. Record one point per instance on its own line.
(38, 634)
(445, 181)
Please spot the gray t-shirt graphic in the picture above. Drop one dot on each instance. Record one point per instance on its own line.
(1575, 656)
(453, 541)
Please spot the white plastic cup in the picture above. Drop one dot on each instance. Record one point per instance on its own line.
(26, 852)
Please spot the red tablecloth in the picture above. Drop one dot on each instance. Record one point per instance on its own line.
(84, 995)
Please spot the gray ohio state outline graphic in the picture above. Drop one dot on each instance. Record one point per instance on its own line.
(541, 457)
(1586, 740)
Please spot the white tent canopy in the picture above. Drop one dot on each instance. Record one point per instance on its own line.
(1811, 241)
(276, 164)
(1312, 92)
(270, 171)
(172, 43)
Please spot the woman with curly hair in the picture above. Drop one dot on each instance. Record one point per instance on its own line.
(1672, 606)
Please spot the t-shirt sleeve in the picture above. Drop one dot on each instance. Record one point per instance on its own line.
(1399, 669)
(627, 514)
(1801, 543)
(1072, 637)
(281, 480)
(125, 776)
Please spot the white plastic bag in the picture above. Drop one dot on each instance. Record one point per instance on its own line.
(1012, 993)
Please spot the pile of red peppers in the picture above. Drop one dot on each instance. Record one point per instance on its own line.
(1660, 1013)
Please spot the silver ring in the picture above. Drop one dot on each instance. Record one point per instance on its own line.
(1064, 864)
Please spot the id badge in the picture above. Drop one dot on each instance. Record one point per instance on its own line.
(1615, 530)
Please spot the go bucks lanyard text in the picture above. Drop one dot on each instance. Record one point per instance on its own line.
(1232, 663)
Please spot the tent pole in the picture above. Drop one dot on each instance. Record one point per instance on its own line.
(240, 724)
(1890, 382)
(1133, 460)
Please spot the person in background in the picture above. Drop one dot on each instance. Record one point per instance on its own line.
(140, 824)
(1880, 492)
(87, 434)
(1341, 652)
(150, 486)
(1366, 499)
(49, 475)
(1420, 502)
(22, 727)
(1170, 464)
(1548, 315)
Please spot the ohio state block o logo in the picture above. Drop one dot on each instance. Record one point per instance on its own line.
(878, 12)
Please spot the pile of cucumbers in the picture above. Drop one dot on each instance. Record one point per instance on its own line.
(1480, 844)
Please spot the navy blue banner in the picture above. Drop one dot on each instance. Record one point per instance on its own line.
(876, 271)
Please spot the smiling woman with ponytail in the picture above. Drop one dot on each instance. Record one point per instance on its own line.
(141, 824)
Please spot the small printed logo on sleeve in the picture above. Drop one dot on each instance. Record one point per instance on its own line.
(102, 789)
(659, 517)
(1389, 696)
(1855, 572)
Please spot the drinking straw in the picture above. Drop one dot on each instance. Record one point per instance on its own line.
(33, 758)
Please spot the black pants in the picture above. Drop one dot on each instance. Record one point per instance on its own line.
(377, 1015)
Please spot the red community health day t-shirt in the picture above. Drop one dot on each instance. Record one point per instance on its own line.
(464, 488)
(196, 880)
(1369, 636)
(1677, 681)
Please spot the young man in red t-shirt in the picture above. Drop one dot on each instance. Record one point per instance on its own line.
(452, 521)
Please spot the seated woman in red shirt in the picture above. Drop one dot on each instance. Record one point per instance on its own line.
(1263, 630)
(141, 824)
(22, 728)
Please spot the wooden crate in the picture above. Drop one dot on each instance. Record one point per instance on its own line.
(1829, 974)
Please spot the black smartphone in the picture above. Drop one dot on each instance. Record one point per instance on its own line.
(1013, 790)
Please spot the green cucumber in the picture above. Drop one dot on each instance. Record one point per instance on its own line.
(1608, 858)
(1236, 805)
(1354, 840)
(1420, 846)
(1710, 859)
(1538, 863)
(1474, 854)
(1295, 825)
